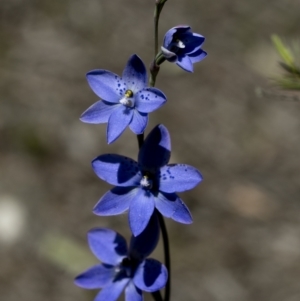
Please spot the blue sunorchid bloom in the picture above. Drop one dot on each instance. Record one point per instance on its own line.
(122, 268)
(147, 184)
(183, 47)
(124, 100)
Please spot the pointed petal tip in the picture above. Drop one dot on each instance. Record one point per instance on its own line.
(96, 211)
(110, 141)
(200, 177)
(135, 56)
(187, 222)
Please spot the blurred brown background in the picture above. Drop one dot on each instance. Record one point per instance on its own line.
(226, 119)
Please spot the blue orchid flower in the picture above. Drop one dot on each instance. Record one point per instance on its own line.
(147, 184)
(123, 268)
(124, 100)
(183, 47)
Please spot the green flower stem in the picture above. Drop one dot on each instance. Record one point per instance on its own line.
(154, 69)
(167, 254)
(158, 8)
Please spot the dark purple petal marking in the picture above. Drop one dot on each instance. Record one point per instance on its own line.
(117, 170)
(144, 244)
(192, 42)
(149, 100)
(135, 74)
(185, 63)
(156, 150)
(107, 85)
(115, 201)
(107, 245)
(122, 92)
(99, 112)
(197, 56)
(180, 40)
(151, 275)
(169, 36)
(178, 178)
(95, 277)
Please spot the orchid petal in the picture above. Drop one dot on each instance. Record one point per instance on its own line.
(185, 63)
(113, 291)
(135, 74)
(175, 31)
(115, 201)
(99, 112)
(149, 100)
(192, 42)
(139, 122)
(95, 277)
(197, 56)
(117, 123)
(107, 85)
(132, 293)
(178, 178)
(151, 275)
(117, 170)
(140, 211)
(144, 244)
(171, 206)
(107, 245)
(156, 150)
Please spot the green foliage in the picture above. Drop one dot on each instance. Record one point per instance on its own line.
(291, 79)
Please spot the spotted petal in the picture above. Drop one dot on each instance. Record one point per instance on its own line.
(95, 277)
(151, 275)
(118, 121)
(156, 150)
(107, 245)
(178, 178)
(117, 170)
(107, 85)
(171, 206)
(135, 74)
(149, 100)
(99, 112)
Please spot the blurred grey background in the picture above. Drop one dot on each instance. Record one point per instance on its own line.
(227, 119)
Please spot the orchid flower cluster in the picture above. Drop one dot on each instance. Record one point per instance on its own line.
(146, 188)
